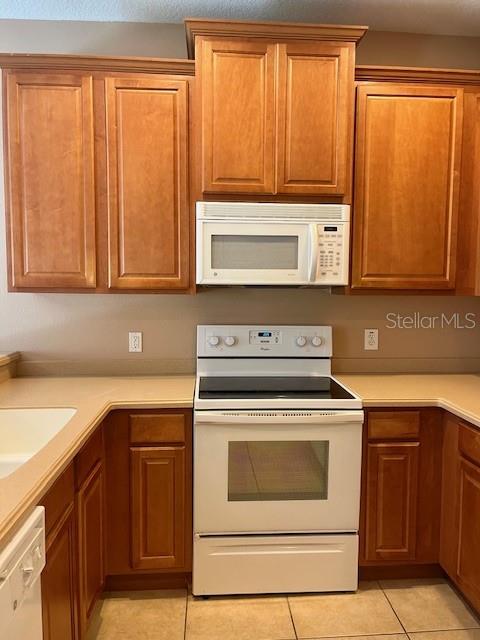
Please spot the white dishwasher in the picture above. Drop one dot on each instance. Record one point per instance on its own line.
(21, 563)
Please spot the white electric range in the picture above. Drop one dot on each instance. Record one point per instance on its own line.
(277, 462)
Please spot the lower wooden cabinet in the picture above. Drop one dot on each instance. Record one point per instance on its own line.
(392, 489)
(158, 507)
(90, 527)
(74, 573)
(468, 558)
(460, 533)
(401, 487)
(59, 589)
(149, 485)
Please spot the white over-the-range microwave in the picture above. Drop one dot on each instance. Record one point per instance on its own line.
(255, 243)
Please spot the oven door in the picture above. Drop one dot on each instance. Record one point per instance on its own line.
(260, 253)
(277, 471)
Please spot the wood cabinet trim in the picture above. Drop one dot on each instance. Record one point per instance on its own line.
(278, 31)
(393, 425)
(54, 62)
(378, 73)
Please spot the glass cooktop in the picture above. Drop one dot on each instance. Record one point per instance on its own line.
(271, 387)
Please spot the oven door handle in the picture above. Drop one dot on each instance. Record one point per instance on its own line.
(271, 417)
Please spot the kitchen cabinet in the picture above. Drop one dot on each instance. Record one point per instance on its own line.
(149, 484)
(459, 552)
(468, 254)
(401, 480)
(97, 174)
(59, 585)
(50, 179)
(407, 162)
(285, 126)
(147, 164)
(392, 480)
(73, 576)
(90, 514)
(158, 507)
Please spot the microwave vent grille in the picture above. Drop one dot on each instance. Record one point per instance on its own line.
(269, 210)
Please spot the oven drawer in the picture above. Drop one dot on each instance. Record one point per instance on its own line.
(274, 564)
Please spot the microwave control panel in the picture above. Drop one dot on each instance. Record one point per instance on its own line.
(332, 263)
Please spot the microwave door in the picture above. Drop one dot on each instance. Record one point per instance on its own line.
(237, 252)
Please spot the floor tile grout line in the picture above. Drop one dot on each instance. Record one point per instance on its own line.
(291, 617)
(393, 609)
(185, 617)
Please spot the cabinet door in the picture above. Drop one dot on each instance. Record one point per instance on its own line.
(238, 116)
(50, 180)
(158, 507)
(58, 581)
(468, 559)
(90, 514)
(147, 164)
(315, 118)
(391, 506)
(408, 149)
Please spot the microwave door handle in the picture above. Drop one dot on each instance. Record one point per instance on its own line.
(313, 253)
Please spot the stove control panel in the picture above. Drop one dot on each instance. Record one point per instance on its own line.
(284, 341)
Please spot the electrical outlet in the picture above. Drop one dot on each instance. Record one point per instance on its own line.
(135, 341)
(371, 340)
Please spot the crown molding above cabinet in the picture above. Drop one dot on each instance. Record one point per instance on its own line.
(284, 31)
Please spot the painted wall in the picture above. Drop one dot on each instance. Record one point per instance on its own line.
(70, 334)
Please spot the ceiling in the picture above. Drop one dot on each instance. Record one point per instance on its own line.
(448, 17)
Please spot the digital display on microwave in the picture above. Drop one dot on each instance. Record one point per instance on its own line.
(331, 228)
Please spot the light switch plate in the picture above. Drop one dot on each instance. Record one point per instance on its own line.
(135, 341)
(371, 340)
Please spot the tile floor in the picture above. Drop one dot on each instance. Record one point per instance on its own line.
(387, 610)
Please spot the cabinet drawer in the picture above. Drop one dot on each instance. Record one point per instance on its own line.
(157, 428)
(392, 425)
(90, 454)
(469, 441)
(58, 498)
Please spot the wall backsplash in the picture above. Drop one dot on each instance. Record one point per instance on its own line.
(88, 334)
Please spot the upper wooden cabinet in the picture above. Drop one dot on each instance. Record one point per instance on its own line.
(276, 118)
(276, 107)
(315, 118)
(238, 116)
(407, 160)
(97, 174)
(148, 209)
(468, 254)
(50, 179)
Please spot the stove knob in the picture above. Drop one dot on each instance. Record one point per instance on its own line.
(301, 341)
(230, 341)
(214, 341)
(317, 341)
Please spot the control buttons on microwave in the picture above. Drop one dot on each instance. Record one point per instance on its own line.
(301, 341)
(230, 341)
(213, 341)
(317, 341)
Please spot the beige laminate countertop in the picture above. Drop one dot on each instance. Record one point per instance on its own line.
(457, 393)
(93, 398)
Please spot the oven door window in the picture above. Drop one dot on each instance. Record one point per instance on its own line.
(254, 252)
(277, 470)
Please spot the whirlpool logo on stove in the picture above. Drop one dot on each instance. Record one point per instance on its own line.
(442, 321)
